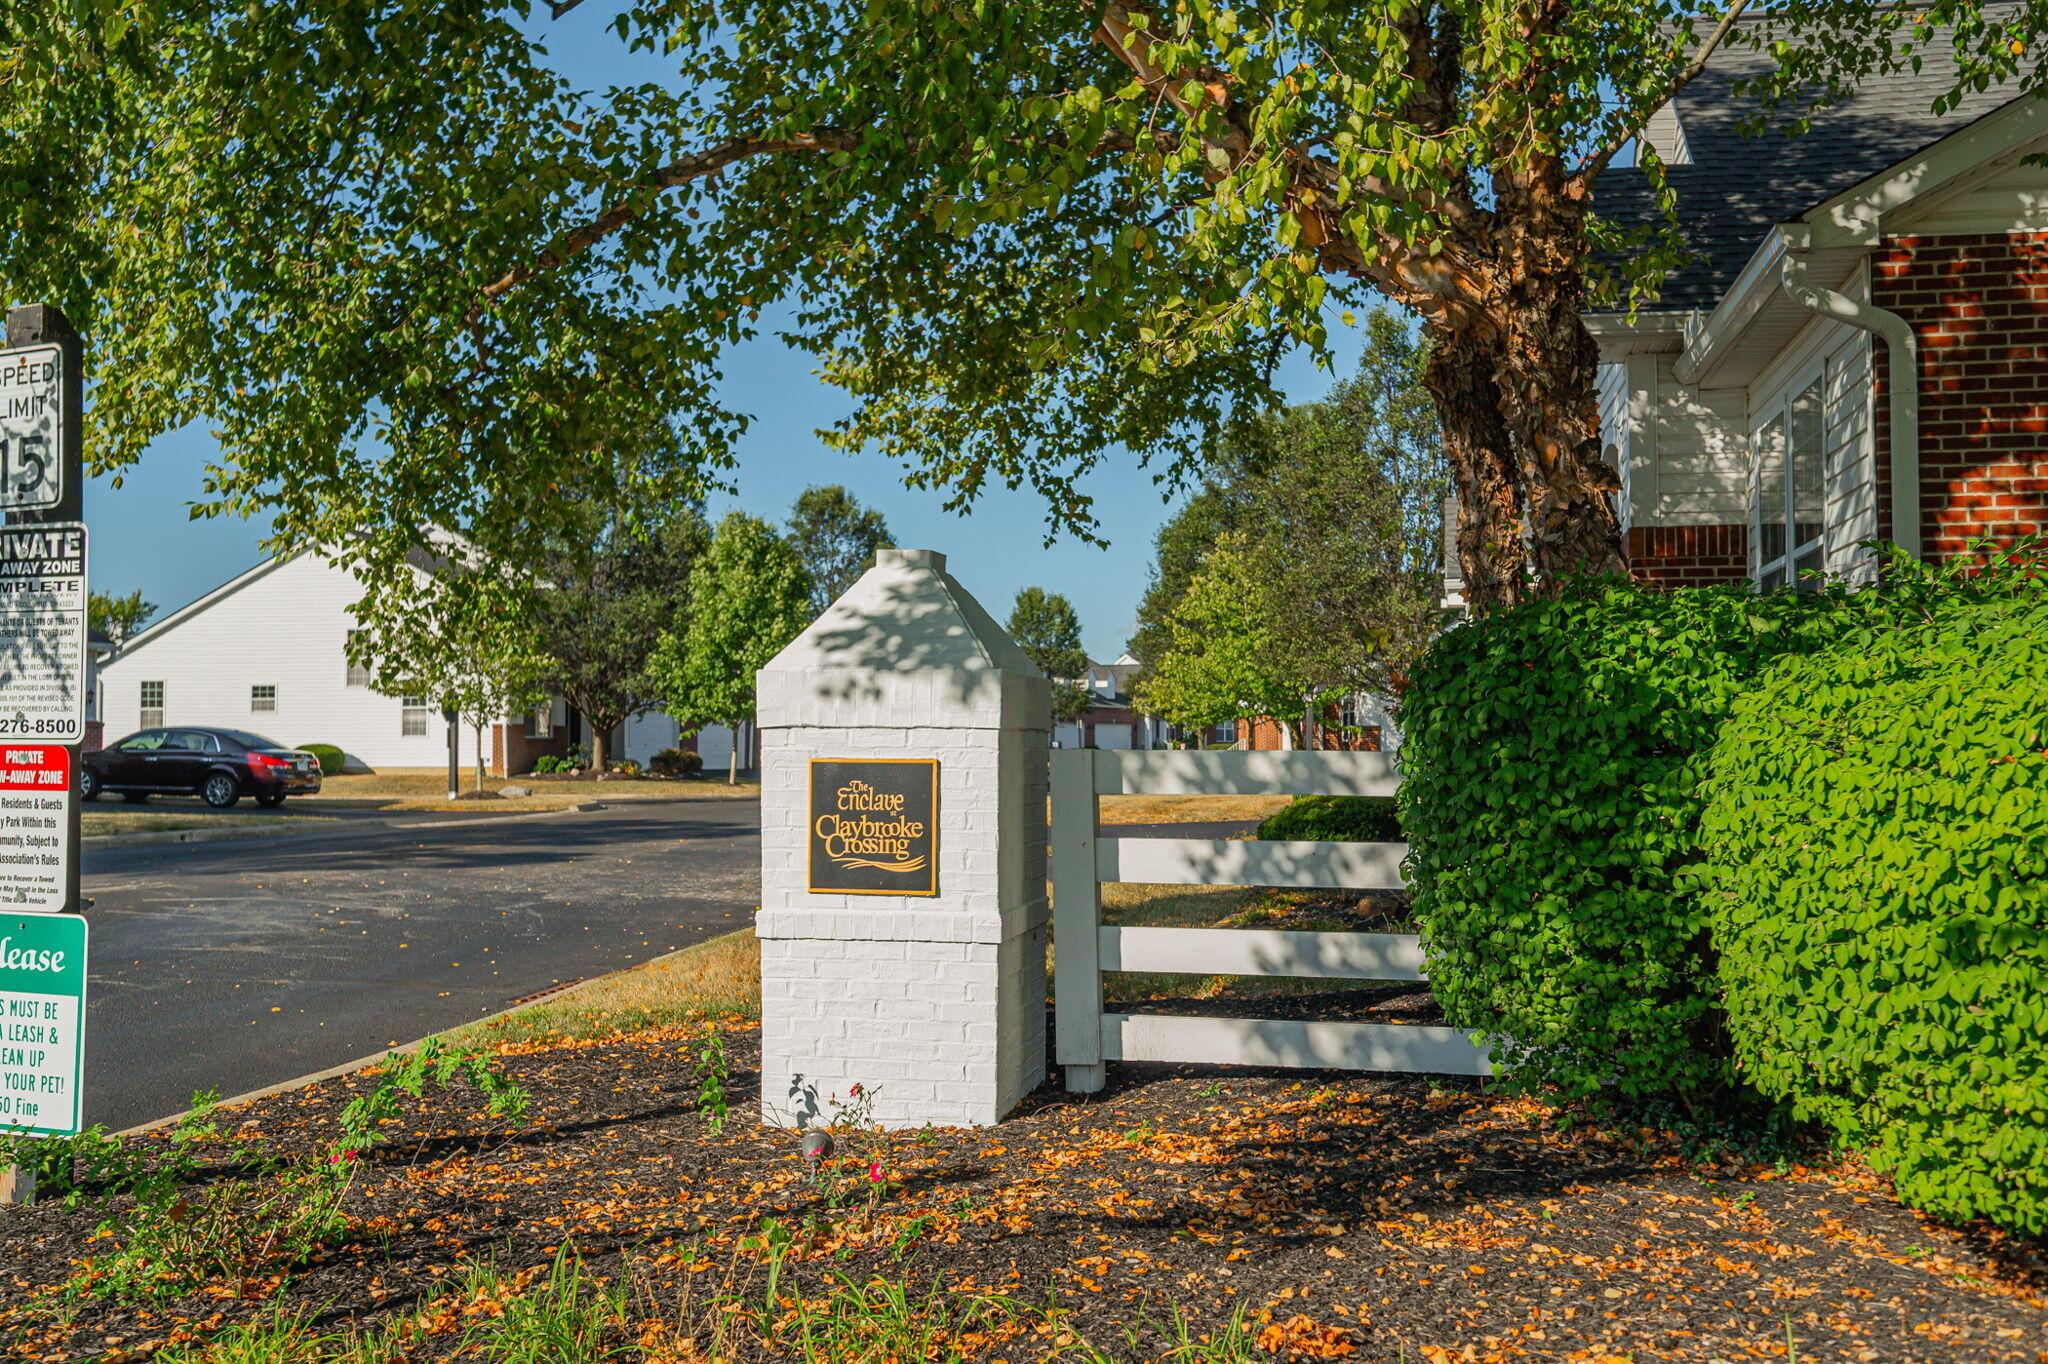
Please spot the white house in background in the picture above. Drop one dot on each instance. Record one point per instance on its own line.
(268, 652)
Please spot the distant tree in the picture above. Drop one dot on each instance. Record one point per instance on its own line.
(600, 610)
(1341, 506)
(749, 596)
(1177, 552)
(1045, 626)
(473, 651)
(836, 539)
(116, 618)
(1219, 662)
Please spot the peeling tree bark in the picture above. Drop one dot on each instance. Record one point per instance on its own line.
(1477, 446)
(1548, 371)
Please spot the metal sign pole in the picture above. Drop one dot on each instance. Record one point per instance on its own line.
(42, 484)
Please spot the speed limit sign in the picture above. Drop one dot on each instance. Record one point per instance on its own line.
(32, 418)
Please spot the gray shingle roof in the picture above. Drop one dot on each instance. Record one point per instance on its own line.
(1738, 187)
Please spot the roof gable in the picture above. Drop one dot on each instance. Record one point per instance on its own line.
(1737, 185)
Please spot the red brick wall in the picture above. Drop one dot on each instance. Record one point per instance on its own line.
(1263, 735)
(514, 751)
(1978, 303)
(1688, 556)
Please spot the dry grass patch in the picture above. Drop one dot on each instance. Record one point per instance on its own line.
(716, 979)
(426, 788)
(104, 823)
(1187, 809)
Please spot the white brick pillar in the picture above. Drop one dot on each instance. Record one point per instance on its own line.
(933, 999)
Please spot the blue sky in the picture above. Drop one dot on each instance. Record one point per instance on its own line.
(143, 537)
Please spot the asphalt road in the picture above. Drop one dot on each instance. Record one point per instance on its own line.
(243, 962)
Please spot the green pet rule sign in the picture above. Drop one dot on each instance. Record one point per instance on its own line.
(42, 1024)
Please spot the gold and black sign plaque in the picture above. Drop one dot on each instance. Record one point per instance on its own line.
(874, 826)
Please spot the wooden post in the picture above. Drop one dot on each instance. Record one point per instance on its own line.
(17, 1185)
(1077, 920)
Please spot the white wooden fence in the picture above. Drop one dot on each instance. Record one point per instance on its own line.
(1086, 1037)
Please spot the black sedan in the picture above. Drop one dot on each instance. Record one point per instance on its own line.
(218, 765)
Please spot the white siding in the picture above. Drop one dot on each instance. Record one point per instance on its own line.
(286, 628)
(1851, 461)
(1613, 394)
(1688, 449)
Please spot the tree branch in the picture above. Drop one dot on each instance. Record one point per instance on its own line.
(681, 171)
(1686, 76)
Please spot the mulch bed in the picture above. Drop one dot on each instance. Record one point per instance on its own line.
(1351, 1216)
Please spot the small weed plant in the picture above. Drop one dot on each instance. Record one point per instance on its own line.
(246, 1216)
(713, 1071)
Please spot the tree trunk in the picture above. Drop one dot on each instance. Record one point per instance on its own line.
(732, 761)
(600, 737)
(480, 757)
(1548, 375)
(1491, 553)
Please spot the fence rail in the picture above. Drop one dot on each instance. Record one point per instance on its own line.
(1086, 1037)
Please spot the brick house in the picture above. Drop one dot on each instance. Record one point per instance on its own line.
(1752, 410)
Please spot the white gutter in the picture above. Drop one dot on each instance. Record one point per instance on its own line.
(1904, 352)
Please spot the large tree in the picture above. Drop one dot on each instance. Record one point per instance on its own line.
(415, 278)
(749, 596)
(1047, 628)
(836, 538)
(601, 606)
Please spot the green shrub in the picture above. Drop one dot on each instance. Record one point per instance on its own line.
(1877, 837)
(674, 762)
(623, 767)
(1335, 819)
(330, 758)
(1551, 761)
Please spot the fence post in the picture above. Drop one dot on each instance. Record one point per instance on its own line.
(1077, 921)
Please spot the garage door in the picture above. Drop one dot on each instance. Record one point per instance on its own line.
(1112, 736)
(1066, 736)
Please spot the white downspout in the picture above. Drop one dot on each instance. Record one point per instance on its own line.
(1903, 350)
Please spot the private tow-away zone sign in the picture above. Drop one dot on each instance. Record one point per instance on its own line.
(42, 633)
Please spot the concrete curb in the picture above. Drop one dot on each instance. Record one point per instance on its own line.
(322, 824)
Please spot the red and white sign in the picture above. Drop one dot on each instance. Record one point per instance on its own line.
(37, 787)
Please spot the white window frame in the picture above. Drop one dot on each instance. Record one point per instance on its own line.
(354, 674)
(540, 721)
(1796, 560)
(145, 710)
(415, 717)
(257, 698)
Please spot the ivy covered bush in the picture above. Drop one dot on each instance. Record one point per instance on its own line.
(1877, 884)
(1551, 773)
(1334, 819)
(330, 758)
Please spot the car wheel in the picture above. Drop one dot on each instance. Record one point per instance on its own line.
(135, 797)
(220, 791)
(271, 802)
(88, 784)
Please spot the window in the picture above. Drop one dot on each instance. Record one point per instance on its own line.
(1347, 716)
(152, 705)
(263, 699)
(358, 675)
(1787, 493)
(148, 742)
(412, 717)
(541, 724)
